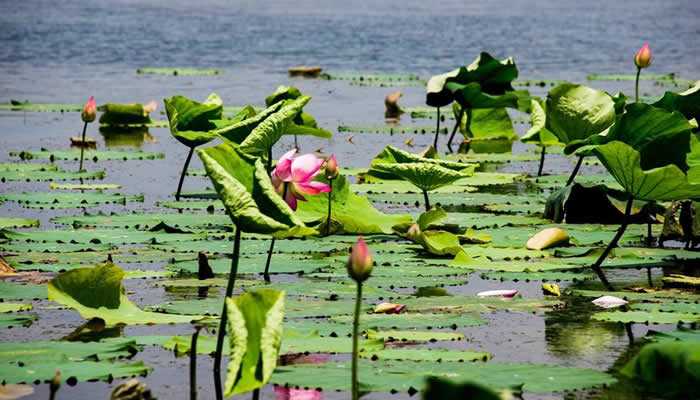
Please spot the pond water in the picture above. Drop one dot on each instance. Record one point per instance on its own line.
(65, 52)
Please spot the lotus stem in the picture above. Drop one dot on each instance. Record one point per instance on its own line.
(82, 148)
(266, 273)
(222, 324)
(328, 223)
(296, 145)
(355, 342)
(650, 238)
(613, 243)
(630, 334)
(184, 171)
(193, 363)
(427, 200)
(542, 154)
(636, 86)
(256, 392)
(55, 383)
(454, 130)
(437, 129)
(575, 171)
(649, 277)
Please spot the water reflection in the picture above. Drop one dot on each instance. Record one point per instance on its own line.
(132, 136)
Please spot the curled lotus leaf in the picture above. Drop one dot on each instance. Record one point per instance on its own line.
(190, 121)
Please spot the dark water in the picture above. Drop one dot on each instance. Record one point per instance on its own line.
(64, 52)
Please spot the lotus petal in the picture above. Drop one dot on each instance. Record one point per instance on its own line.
(609, 302)
(508, 293)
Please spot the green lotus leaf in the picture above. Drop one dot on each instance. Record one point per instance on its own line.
(440, 243)
(687, 103)
(667, 366)
(190, 121)
(124, 114)
(282, 93)
(239, 131)
(424, 175)
(444, 389)
(430, 217)
(538, 134)
(662, 137)
(255, 331)
(473, 96)
(575, 112)
(493, 76)
(269, 131)
(74, 155)
(662, 183)
(487, 123)
(98, 292)
(392, 155)
(246, 191)
(356, 213)
(82, 371)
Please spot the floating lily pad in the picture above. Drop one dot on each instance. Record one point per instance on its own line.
(21, 291)
(15, 105)
(94, 155)
(14, 307)
(53, 247)
(681, 334)
(13, 320)
(652, 317)
(254, 265)
(630, 77)
(655, 296)
(85, 186)
(99, 236)
(370, 77)
(45, 351)
(144, 221)
(28, 167)
(411, 321)
(325, 290)
(179, 71)
(411, 129)
(482, 220)
(434, 355)
(407, 376)
(388, 83)
(551, 276)
(11, 222)
(689, 308)
(71, 199)
(253, 246)
(414, 336)
(209, 206)
(75, 371)
(40, 176)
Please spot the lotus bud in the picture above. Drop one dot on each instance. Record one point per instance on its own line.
(89, 112)
(360, 262)
(388, 308)
(56, 381)
(332, 167)
(643, 57)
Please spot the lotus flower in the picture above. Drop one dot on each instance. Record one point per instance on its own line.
(609, 302)
(643, 57)
(296, 173)
(285, 393)
(496, 293)
(360, 262)
(89, 112)
(332, 169)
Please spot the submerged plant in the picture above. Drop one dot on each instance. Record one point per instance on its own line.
(88, 115)
(359, 268)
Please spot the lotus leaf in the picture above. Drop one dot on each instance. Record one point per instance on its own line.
(94, 155)
(424, 175)
(669, 367)
(255, 333)
(575, 112)
(688, 102)
(190, 121)
(98, 292)
(662, 183)
(270, 130)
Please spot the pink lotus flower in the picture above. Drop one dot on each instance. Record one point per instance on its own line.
(360, 262)
(496, 293)
(332, 169)
(89, 112)
(285, 393)
(297, 173)
(643, 57)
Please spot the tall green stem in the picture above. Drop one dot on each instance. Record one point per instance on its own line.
(266, 273)
(575, 171)
(613, 244)
(222, 324)
(636, 86)
(182, 175)
(328, 223)
(427, 200)
(355, 342)
(193, 363)
(82, 148)
(437, 129)
(454, 130)
(543, 152)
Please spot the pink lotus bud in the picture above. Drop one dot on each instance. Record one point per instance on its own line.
(332, 167)
(89, 112)
(643, 57)
(360, 262)
(498, 293)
